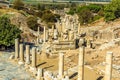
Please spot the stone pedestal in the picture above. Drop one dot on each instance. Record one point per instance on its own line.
(34, 57)
(81, 63)
(16, 48)
(27, 54)
(108, 69)
(21, 54)
(61, 65)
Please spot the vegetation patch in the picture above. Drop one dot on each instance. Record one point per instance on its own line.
(9, 32)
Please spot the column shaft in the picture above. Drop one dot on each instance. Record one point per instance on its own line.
(81, 63)
(61, 64)
(21, 53)
(40, 73)
(108, 69)
(27, 54)
(34, 57)
(16, 48)
(44, 34)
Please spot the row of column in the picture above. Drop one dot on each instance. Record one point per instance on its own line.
(19, 53)
(108, 70)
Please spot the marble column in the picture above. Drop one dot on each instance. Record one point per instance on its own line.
(55, 34)
(34, 57)
(79, 28)
(53, 29)
(60, 28)
(75, 35)
(61, 65)
(44, 34)
(39, 73)
(28, 54)
(108, 69)
(47, 35)
(38, 31)
(21, 54)
(70, 35)
(81, 63)
(16, 48)
(37, 41)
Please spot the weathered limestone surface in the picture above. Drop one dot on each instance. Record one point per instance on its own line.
(39, 73)
(44, 34)
(34, 57)
(108, 69)
(21, 54)
(16, 48)
(81, 63)
(61, 65)
(27, 54)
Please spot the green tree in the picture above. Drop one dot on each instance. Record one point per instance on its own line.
(18, 4)
(8, 32)
(94, 8)
(85, 16)
(112, 10)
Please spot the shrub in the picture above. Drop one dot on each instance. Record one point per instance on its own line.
(85, 16)
(32, 22)
(96, 17)
(18, 4)
(72, 11)
(48, 16)
(94, 8)
(38, 14)
(112, 10)
(8, 32)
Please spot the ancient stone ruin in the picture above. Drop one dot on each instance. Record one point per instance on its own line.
(54, 44)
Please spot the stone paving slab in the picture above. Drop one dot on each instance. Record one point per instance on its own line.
(10, 71)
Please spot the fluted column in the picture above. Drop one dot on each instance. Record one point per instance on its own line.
(108, 69)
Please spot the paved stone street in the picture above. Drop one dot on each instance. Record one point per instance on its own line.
(9, 71)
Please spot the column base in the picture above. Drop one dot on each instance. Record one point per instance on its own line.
(20, 62)
(33, 70)
(27, 62)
